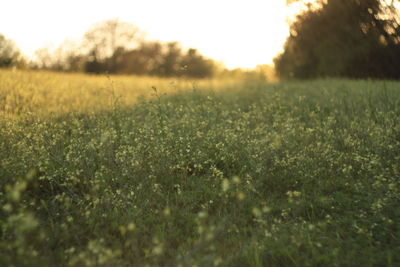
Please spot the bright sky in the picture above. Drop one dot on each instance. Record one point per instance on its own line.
(238, 33)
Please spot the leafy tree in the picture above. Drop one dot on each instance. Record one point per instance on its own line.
(145, 60)
(156, 58)
(103, 40)
(345, 38)
(195, 65)
(171, 64)
(10, 56)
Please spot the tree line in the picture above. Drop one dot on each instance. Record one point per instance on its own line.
(330, 38)
(118, 47)
(343, 38)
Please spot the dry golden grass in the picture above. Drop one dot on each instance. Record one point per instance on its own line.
(43, 93)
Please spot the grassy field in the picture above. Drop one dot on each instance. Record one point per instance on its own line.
(99, 171)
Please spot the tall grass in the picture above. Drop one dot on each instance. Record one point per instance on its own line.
(44, 93)
(290, 174)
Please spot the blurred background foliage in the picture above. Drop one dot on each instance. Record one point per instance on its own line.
(343, 38)
(118, 47)
(9, 54)
(328, 38)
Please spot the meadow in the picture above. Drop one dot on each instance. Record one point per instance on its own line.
(136, 171)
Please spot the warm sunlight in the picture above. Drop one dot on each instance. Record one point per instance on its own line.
(236, 33)
(199, 133)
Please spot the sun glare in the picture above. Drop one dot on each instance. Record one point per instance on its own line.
(236, 33)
